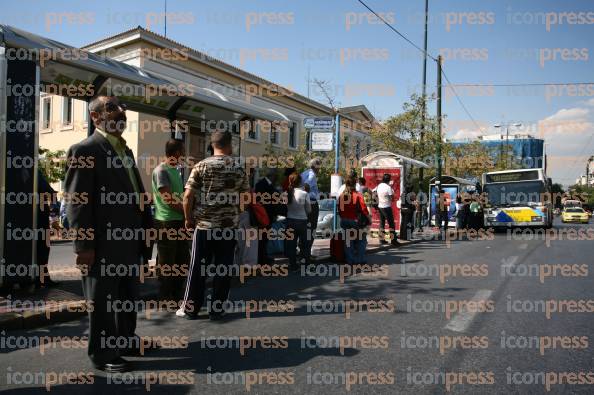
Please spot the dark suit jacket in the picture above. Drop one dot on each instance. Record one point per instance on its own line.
(102, 199)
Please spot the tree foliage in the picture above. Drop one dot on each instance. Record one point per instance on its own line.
(401, 133)
(52, 164)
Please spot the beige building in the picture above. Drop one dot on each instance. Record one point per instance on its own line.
(64, 121)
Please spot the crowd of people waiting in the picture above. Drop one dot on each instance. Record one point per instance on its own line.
(193, 209)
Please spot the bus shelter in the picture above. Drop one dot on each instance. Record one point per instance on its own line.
(30, 64)
(452, 186)
(373, 168)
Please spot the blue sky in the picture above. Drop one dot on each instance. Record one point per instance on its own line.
(491, 41)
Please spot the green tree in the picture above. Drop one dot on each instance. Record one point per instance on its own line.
(401, 133)
(301, 158)
(52, 164)
(583, 193)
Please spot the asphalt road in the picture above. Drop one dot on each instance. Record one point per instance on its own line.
(500, 318)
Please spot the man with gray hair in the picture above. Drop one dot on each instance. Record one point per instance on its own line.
(109, 263)
(309, 180)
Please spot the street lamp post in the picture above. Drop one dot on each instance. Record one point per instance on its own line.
(506, 126)
(591, 159)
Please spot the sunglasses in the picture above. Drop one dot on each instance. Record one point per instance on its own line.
(112, 107)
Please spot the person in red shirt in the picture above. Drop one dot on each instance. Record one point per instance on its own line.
(350, 206)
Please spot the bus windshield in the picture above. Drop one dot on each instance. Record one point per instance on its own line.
(515, 193)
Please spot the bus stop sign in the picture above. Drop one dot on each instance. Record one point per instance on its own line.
(318, 123)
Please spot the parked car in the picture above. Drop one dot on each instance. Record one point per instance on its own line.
(325, 218)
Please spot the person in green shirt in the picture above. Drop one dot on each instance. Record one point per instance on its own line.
(173, 250)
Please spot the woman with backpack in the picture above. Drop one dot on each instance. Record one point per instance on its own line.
(354, 218)
(298, 209)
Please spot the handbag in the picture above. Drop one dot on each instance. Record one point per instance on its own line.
(258, 215)
(362, 219)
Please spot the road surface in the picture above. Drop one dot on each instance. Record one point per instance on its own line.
(488, 316)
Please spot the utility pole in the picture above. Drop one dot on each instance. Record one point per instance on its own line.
(424, 96)
(165, 18)
(588, 170)
(439, 60)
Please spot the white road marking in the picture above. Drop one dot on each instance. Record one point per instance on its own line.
(523, 246)
(461, 321)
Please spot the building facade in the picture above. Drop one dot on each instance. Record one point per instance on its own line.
(64, 121)
(522, 150)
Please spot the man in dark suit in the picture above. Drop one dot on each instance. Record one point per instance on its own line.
(265, 192)
(107, 198)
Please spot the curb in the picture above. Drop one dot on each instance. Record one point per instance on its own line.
(67, 311)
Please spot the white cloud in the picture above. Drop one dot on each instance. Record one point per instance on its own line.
(569, 114)
(568, 135)
(566, 121)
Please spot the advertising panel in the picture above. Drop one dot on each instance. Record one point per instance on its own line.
(373, 176)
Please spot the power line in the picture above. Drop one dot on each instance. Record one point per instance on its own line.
(428, 55)
(396, 31)
(461, 103)
(529, 84)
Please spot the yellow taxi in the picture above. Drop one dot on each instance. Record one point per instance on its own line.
(575, 214)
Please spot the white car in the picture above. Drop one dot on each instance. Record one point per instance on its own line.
(325, 218)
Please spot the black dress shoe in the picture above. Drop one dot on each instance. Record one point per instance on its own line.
(118, 365)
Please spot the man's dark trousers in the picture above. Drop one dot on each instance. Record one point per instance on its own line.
(210, 253)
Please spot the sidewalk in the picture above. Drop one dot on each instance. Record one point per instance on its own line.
(31, 308)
